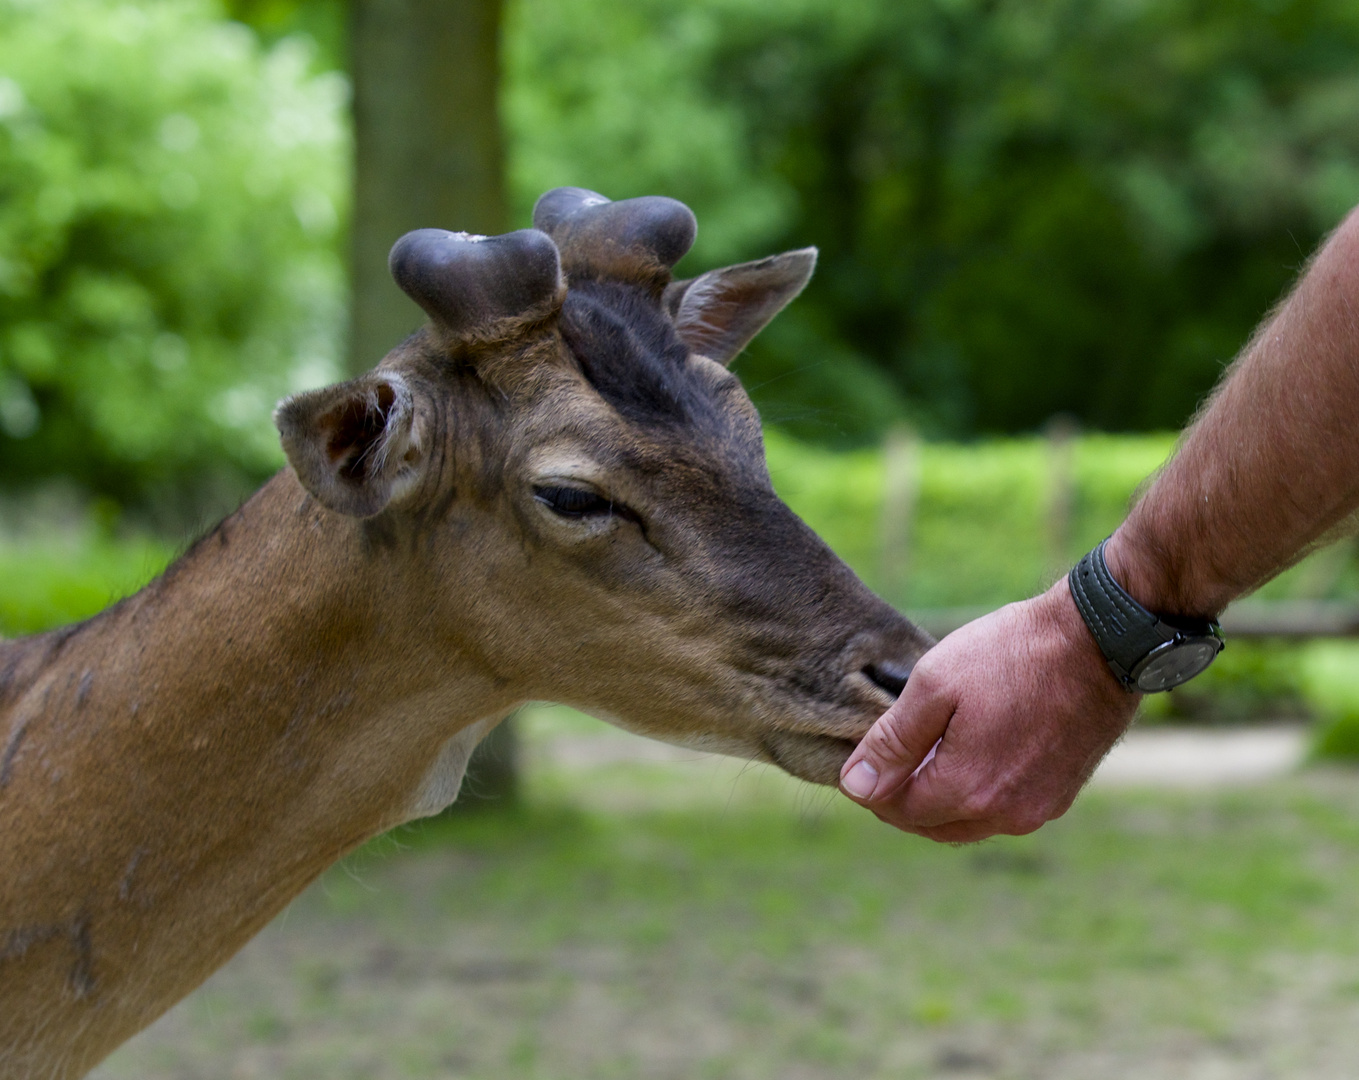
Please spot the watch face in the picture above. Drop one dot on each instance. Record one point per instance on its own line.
(1176, 662)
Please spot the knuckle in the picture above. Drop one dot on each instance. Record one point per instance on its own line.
(975, 810)
(1025, 822)
(978, 806)
(926, 678)
(1002, 815)
(1012, 808)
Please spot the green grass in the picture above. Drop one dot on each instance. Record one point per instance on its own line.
(770, 933)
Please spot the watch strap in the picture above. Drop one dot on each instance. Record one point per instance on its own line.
(1125, 631)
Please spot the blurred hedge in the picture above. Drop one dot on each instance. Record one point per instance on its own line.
(979, 525)
(978, 536)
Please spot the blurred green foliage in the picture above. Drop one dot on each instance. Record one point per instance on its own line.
(324, 22)
(171, 196)
(1023, 207)
(53, 580)
(1331, 672)
(619, 97)
(1337, 739)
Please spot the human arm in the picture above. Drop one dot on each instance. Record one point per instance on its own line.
(1021, 702)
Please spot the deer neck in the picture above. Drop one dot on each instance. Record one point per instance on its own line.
(175, 770)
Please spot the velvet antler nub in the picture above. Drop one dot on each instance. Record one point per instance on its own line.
(479, 288)
(635, 240)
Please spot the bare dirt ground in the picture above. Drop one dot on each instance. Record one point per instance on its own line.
(1190, 758)
(660, 914)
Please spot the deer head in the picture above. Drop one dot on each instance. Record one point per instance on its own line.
(580, 482)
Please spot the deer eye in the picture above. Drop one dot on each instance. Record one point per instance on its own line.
(574, 502)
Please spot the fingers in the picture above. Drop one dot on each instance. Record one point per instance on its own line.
(959, 832)
(898, 744)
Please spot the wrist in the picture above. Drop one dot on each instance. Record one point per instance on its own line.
(1057, 608)
(1146, 650)
(1146, 575)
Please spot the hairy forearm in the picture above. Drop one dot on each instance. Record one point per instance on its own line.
(1271, 464)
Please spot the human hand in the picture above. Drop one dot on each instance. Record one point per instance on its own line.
(1022, 707)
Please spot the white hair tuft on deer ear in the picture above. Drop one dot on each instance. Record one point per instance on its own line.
(718, 313)
(354, 446)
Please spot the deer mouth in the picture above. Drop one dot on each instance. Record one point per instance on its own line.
(817, 759)
(863, 694)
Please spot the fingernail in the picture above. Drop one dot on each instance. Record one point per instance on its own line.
(860, 780)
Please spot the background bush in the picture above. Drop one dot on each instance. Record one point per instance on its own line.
(1023, 207)
(171, 197)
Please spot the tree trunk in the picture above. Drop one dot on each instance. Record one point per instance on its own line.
(428, 151)
(427, 154)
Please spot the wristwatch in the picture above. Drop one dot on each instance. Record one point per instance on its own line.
(1146, 652)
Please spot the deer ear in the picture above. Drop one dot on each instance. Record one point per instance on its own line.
(354, 446)
(719, 313)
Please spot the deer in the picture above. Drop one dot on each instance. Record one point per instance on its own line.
(553, 490)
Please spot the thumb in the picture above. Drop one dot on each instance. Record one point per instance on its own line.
(895, 748)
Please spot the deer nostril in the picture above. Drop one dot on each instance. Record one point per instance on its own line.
(891, 677)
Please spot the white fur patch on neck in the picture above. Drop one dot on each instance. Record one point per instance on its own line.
(438, 788)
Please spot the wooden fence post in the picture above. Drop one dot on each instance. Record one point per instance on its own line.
(901, 483)
(1060, 516)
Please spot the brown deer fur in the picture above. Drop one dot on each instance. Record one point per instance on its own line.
(318, 668)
